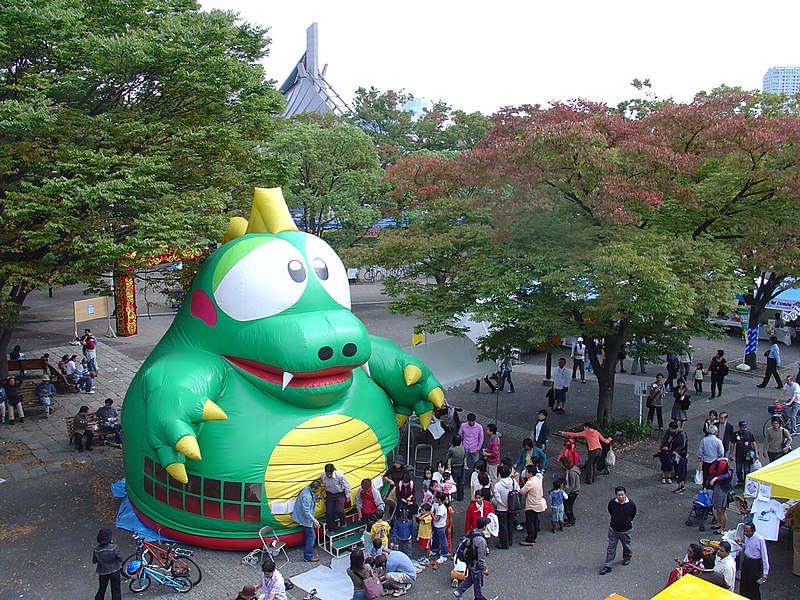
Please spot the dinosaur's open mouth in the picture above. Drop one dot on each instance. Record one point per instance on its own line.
(300, 379)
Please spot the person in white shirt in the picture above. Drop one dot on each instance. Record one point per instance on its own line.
(560, 385)
(791, 390)
(579, 359)
(725, 564)
(755, 564)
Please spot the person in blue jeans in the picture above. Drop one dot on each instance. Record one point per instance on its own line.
(439, 512)
(304, 514)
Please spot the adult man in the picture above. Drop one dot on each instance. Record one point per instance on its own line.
(622, 511)
(777, 440)
(725, 430)
(541, 431)
(456, 459)
(13, 398)
(745, 450)
(79, 374)
(655, 400)
(709, 574)
(89, 345)
(578, 355)
(726, 564)
(773, 362)
(400, 571)
(472, 440)
(710, 450)
(337, 489)
(492, 452)
(505, 375)
(534, 504)
(560, 385)
(46, 392)
(108, 419)
(477, 570)
(791, 407)
(81, 429)
(304, 514)
(755, 564)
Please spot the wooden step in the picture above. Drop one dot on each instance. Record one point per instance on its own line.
(346, 542)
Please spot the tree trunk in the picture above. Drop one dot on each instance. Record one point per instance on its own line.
(606, 371)
(16, 296)
(751, 358)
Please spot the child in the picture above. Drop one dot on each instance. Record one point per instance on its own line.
(376, 549)
(438, 476)
(425, 532)
(448, 485)
(557, 496)
(427, 477)
(439, 513)
(380, 529)
(402, 532)
(699, 375)
(368, 501)
(448, 528)
(430, 493)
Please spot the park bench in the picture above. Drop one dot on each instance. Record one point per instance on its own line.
(101, 436)
(20, 365)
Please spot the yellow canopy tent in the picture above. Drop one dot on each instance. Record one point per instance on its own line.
(693, 587)
(783, 475)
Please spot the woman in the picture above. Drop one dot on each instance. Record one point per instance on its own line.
(718, 368)
(474, 484)
(713, 419)
(358, 571)
(108, 559)
(526, 456)
(405, 494)
(573, 477)
(592, 437)
(16, 353)
(479, 507)
(721, 484)
(680, 404)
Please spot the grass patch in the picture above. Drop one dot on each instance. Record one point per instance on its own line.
(627, 430)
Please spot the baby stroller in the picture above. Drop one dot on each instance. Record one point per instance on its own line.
(601, 466)
(701, 508)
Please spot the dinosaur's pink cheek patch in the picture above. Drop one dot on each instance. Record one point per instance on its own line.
(203, 308)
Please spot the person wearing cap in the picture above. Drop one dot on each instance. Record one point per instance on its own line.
(46, 392)
(108, 419)
(108, 559)
(745, 451)
(579, 359)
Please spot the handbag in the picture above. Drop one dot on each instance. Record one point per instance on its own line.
(611, 458)
(514, 501)
(373, 588)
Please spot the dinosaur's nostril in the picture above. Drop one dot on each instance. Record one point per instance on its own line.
(325, 353)
(349, 349)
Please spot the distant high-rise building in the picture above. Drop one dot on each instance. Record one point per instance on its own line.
(306, 89)
(782, 80)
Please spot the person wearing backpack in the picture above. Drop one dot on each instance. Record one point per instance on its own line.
(472, 551)
(503, 489)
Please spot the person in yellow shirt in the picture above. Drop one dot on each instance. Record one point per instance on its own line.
(425, 532)
(381, 529)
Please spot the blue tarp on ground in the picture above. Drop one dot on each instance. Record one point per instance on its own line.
(128, 519)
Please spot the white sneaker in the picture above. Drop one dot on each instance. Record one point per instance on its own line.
(91, 392)
(456, 593)
(441, 559)
(424, 561)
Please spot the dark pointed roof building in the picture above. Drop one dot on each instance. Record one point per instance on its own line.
(306, 89)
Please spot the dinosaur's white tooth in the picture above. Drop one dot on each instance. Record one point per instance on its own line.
(287, 377)
(365, 366)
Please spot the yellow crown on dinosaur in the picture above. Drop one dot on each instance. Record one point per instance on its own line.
(269, 215)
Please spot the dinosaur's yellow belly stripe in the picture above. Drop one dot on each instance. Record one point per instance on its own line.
(302, 454)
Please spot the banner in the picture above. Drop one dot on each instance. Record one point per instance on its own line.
(125, 304)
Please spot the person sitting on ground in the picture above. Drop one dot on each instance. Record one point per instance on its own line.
(82, 429)
(400, 571)
(108, 419)
(46, 392)
(12, 401)
(248, 593)
(368, 501)
(358, 571)
(376, 548)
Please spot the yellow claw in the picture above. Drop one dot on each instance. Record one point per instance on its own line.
(178, 472)
(401, 419)
(412, 374)
(187, 446)
(425, 419)
(436, 396)
(212, 412)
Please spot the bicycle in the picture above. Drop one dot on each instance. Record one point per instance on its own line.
(776, 410)
(142, 576)
(175, 560)
(373, 274)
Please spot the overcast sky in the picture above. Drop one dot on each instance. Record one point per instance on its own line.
(485, 55)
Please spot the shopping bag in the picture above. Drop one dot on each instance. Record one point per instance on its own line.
(756, 465)
(611, 458)
(698, 477)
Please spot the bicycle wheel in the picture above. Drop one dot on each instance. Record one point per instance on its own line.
(181, 584)
(140, 583)
(767, 425)
(144, 558)
(186, 567)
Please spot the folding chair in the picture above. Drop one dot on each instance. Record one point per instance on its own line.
(272, 546)
(423, 458)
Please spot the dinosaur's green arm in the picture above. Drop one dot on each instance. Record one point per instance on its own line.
(408, 382)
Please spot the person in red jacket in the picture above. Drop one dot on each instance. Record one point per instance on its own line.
(478, 508)
(592, 437)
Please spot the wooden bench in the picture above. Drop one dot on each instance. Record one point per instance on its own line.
(63, 385)
(100, 435)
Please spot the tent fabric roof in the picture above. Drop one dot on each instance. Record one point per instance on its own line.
(783, 475)
(690, 586)
(785, 300)
(453, 360)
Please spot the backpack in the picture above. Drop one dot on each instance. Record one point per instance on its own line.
(465, 551)
(514, 502)
(724, 370)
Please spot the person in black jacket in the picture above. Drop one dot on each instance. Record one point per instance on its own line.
(12, 402)
(622, 511)
(109, 564)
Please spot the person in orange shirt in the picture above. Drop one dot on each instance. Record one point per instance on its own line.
(592, 437)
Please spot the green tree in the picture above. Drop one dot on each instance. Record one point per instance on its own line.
(127, 127)
(333, 175)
